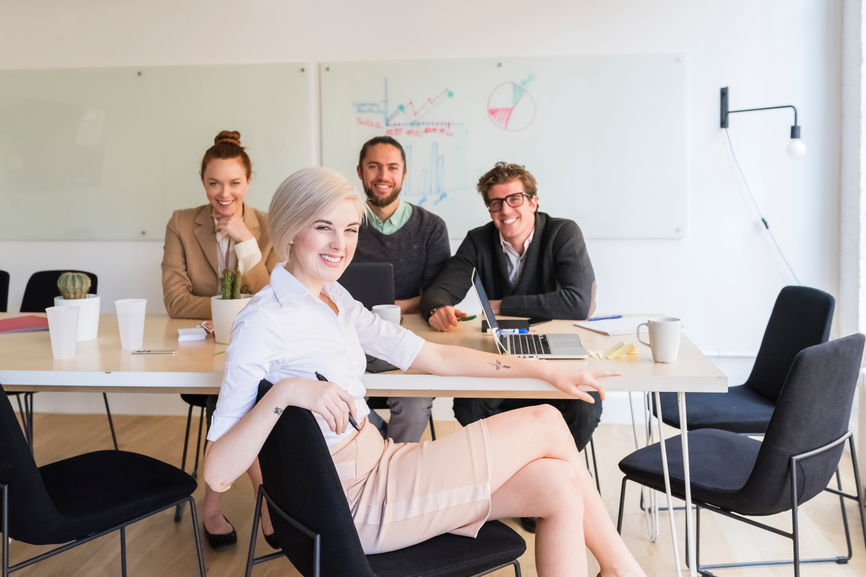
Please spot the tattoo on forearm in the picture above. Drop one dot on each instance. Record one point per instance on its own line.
(498, 365)
(278, 411)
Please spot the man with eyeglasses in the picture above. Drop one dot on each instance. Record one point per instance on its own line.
(531, 265)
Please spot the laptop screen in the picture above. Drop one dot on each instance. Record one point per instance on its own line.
(488, 312)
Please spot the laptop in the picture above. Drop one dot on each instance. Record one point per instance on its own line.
(370, 283)
(542, 346)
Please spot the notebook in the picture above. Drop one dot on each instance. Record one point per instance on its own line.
(24, 324)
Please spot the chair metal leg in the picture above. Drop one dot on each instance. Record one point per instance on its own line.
(178, 511)
(198, 550)
(432, 428)
(123, 551)
(201, 420)
(28, 405)
(595, 465)
(861, 502)
(255, 532)
(795, 520)
(621, 506)
(110, 421)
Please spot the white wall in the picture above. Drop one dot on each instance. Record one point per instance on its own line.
(722, 279)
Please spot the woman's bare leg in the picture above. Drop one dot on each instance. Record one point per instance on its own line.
(212, 513)
(523, 436)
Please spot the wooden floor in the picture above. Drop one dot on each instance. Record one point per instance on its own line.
(158, 546)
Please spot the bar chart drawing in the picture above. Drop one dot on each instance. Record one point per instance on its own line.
(511, 107)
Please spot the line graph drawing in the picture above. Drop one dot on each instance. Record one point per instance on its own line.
(406, 114)
(511, 107)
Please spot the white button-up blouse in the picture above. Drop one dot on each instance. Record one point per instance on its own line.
(286, 331)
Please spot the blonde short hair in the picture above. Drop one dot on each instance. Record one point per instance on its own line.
(303, 198)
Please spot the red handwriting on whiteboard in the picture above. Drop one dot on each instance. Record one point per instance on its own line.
(369, 122)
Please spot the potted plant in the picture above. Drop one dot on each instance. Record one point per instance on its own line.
(226, 306)
(73, 289)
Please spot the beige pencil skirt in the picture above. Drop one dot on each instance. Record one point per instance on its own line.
(403, 493)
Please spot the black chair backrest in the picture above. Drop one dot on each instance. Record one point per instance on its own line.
(801, 318)
(813, 410)
(299, 474)
(4, 291)
(32, 516)
(42, 288)
(371, 283)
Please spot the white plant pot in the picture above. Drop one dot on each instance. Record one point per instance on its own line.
(223, 313)
(88, 316)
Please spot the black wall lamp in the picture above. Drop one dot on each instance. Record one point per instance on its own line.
(796, 148)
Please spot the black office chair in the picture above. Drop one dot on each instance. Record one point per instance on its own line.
(39, 294)
(801, 318)
(313, 524)
(77, 500)
(735, 475)
(25, 409)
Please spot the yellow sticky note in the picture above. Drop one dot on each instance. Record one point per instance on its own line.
(621, 351)
(633, 351)
(606, 353)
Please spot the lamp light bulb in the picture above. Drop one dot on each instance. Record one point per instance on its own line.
(796, 149)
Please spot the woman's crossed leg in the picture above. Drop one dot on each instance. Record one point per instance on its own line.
(537, 472)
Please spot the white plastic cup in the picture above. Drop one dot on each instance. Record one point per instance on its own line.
(390, 313)
(130, 321)
(63, 330)
(664, 338)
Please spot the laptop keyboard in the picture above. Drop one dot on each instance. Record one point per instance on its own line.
(530, 345)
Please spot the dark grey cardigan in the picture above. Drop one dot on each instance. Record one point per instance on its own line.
(557, 281)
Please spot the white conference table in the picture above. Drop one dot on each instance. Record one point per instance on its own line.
(26, 365)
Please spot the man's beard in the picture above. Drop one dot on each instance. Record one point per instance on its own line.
(373, 200)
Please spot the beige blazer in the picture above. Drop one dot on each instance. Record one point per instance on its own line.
(189, 260)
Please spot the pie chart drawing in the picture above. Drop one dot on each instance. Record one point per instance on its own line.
(511, 107)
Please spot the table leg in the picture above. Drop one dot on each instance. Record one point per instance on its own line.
(668, 485)
(690, 528)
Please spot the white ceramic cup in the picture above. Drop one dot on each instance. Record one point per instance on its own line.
(130, 321)
(390, 313)
(63, 330)
(664, 336)
(88, 318)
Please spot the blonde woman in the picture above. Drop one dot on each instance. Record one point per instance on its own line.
(517, 464)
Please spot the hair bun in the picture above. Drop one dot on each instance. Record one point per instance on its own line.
(228, 136)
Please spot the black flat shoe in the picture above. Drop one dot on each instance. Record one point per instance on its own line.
(272, 541)
(221, 540)
(528, 524)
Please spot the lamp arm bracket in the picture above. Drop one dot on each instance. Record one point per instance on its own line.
(725, 112)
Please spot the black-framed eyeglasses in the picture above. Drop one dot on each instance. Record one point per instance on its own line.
(513, 200)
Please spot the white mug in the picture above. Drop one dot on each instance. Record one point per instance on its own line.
(664, 336)
(389, 313)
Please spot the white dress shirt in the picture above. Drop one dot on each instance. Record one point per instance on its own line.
(514, 260)
(286, 331)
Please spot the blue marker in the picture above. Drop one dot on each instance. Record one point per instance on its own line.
(605, 318)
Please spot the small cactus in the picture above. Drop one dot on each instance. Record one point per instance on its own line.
(73, 285)
(230, 284)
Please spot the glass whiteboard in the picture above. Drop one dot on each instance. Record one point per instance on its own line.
(110, 153)
(605, 136)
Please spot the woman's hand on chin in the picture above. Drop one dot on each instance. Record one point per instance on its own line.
(234, 227)
(569, 380)
(330, 401)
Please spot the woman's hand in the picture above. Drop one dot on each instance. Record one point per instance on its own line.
(569, 380)
(330, 401)
(234, 227)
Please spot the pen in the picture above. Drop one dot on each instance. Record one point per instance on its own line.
(352, 420)
(605, 318)
(472, 318)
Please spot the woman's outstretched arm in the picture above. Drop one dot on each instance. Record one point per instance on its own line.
(232, 454)
(450, 361)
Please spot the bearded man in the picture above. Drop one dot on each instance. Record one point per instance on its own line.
(412, 239)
